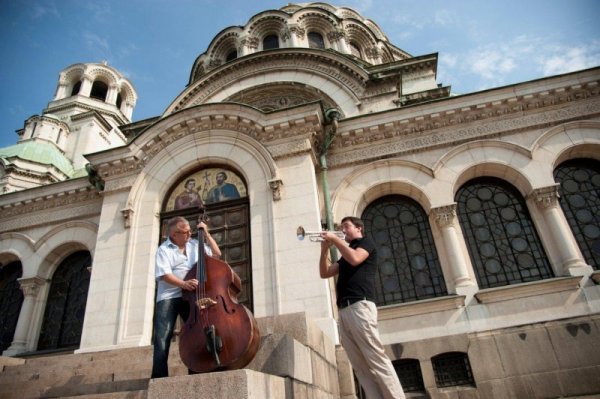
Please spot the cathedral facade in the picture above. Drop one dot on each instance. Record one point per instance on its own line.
(485, 207)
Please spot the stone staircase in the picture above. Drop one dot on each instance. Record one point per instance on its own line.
(295, 360)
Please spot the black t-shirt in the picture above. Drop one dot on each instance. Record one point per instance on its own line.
(358, 281)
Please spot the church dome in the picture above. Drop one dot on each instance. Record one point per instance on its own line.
(303, 25)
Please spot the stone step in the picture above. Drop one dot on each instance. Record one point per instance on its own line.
(141, 394)
(74, 386)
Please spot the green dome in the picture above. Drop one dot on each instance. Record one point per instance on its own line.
(35, 151)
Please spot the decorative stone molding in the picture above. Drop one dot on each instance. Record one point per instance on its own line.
(335, 35)
(50, 215)
(251, 42)
(31, 286)
(290, 148)
(416, 308)
(336, 69)
(373, 52)
(546, 197)
(298, 31)
(275, 186)
(445, 215)
(517, 291)
(444, 128)
(49, 202)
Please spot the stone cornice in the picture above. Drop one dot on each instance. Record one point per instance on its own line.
(282, 137)
(536, 288)
(455, 124)
(43, 209)
(336, 67)
(450, 302)
(120, 119)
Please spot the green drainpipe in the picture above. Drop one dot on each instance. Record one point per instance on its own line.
(332, 116)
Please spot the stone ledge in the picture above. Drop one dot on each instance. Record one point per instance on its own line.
(247, 384)
(421, 307)
(524, 290)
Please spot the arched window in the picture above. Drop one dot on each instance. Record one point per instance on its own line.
(119, 100)
(315, 40)
(580, 201)
(409, 374)
(270, 42)
(452, 369)
(355, 50)
(11, 299)
(76, 88)
(232, 55)
(502, 241)
(409, 268)
(65, 308)
(99, 90)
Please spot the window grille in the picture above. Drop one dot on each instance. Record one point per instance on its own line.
(11, 299)
(409, 268)
(452, 369)
(409, 373)
(580, 201)
(501, 238)
(65, 309)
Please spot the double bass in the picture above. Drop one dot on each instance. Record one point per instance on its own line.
(219, 333)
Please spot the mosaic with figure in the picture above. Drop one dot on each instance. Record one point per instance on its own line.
(207, 186)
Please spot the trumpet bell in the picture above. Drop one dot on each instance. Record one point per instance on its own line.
(314, 236)
(300, 233)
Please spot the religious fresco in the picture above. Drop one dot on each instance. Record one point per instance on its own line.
(206, 186)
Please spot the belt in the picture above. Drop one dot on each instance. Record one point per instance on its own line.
(349, 301)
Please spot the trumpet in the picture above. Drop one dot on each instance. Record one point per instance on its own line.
(315, 236)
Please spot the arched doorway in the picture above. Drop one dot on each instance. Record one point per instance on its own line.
(11, 299)
(222, 194)
(65, 308)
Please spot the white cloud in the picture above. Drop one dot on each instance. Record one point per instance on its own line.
(445, 17)
(95, 42)
(561, 59)
(40, 10)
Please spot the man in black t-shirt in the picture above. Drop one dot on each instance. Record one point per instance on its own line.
(357, 310)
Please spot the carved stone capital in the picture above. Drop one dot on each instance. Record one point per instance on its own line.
(250, 42)
(336, 35)
(127, 216)
(298, 31)
(444, 215)
(275, 186)
(31, 286)
(546, 197)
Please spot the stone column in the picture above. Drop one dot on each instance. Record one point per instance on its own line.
(572, 262)
(445, 218)
(30, 287)
(113, 92)
(61, 90)
(86, 85)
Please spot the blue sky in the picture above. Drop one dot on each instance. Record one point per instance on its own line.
(481, 43)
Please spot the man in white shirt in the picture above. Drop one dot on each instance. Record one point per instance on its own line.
(174, 259)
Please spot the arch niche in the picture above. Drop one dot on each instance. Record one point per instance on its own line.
(192, 152)
(220, 195)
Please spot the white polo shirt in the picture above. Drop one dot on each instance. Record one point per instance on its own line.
(169, 260)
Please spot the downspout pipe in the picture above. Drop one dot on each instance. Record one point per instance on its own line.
(332, 115)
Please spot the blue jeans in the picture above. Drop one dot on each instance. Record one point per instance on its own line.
(165, 316)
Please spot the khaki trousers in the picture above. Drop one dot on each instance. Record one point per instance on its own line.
(360, 339)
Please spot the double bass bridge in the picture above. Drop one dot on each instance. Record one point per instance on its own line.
(203, 303)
